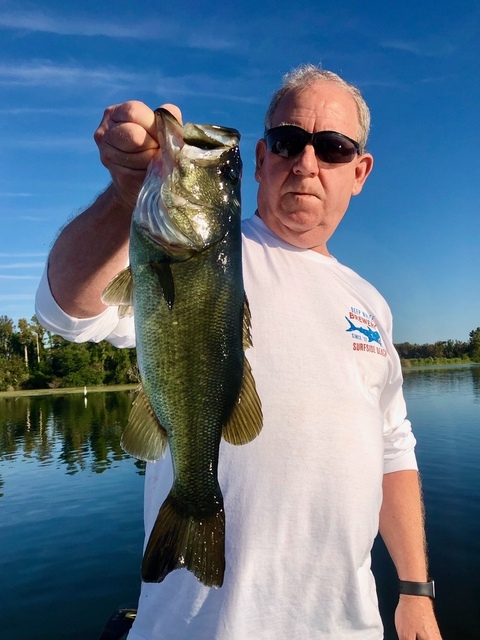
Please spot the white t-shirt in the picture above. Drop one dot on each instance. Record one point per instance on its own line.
(302, 500)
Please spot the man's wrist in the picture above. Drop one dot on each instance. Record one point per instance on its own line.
(409, 588)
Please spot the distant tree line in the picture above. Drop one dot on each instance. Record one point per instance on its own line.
(441, 352)
(33, 358)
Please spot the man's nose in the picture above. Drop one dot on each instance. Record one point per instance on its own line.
(306, 162)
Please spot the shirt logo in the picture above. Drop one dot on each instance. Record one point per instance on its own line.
(364, 331)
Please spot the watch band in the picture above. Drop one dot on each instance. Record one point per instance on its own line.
(417, 588)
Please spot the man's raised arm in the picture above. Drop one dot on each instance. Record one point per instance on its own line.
(93, 247)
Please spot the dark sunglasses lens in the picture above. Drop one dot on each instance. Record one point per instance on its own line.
(334, 149)
(286, 141)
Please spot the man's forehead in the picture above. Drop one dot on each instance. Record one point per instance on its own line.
(320, 100)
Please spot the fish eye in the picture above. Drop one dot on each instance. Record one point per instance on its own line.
(231, 174)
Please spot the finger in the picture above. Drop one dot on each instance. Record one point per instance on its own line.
(130, 157)
(129, 127)
(174, 110)
(135, 112)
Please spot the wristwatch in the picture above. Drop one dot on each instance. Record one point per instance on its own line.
(417, 588)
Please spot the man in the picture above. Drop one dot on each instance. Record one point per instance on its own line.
(335, 460)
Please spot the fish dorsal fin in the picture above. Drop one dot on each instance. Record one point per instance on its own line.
(119, 293)
(144, 437)
(245, 422)
(165, 278)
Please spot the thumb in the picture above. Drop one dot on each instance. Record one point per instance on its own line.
(174, 110)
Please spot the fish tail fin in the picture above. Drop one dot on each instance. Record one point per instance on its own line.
(180, 540)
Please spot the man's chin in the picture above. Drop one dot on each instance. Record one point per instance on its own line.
(299, 228)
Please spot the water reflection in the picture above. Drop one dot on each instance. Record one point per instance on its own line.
(87, 524)
(475, 372)
(443, 380)
(70, 431)
(71, 514)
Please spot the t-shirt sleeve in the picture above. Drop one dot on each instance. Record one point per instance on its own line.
(399, 441)
(106, 326)
(400, 448)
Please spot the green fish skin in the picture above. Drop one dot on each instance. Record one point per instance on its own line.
(192, 325)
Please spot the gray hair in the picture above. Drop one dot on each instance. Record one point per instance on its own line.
(306, 75)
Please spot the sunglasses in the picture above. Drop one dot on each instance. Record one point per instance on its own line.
(332, 147)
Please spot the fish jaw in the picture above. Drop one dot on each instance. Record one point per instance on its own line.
(152, 218)
(191, 193)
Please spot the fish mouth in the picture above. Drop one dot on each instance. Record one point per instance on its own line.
(168, 214)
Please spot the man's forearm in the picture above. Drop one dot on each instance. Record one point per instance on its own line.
(88, 253)
(403, 531)
(402, 524)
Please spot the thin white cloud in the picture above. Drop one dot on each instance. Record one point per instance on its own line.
(67, 112)
(21, 216)
(30, 277)
(428, 47)
(9, 297)
(165, 30)
(37, 21)
(23, 255)
(47, 74)
(50, 142)
(13, 194)
(38, 73)
(23, 265)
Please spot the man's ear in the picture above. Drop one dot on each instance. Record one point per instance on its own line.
(260, 151)
(362, 171)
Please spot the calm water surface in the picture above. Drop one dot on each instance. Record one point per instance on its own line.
(71, 529)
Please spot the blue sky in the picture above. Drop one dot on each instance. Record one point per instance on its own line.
(413, 232)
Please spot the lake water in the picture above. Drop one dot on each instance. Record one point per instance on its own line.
(71, 529)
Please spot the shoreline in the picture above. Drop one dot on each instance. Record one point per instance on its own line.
(132, 387)
(454, 365)
(67, 390)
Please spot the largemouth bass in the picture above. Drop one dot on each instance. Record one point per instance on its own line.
(192, 324)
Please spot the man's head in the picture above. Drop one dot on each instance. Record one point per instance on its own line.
(303, 196)
(308, 74)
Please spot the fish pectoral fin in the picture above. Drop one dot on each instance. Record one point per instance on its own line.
(119, 292)
(144, 437)
(246, 420)
(165, 278)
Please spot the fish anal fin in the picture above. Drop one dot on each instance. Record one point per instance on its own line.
(196, 542)
(144, 437)
(165, 278)
(119, 292)
(246, 420)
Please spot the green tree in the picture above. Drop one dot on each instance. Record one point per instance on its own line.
(474, 345)
(6, 333)
(72, 364)
(13, 371)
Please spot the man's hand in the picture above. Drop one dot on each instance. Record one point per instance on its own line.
(415, 619)
(127, 141)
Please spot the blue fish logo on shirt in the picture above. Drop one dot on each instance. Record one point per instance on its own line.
(370, 334)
